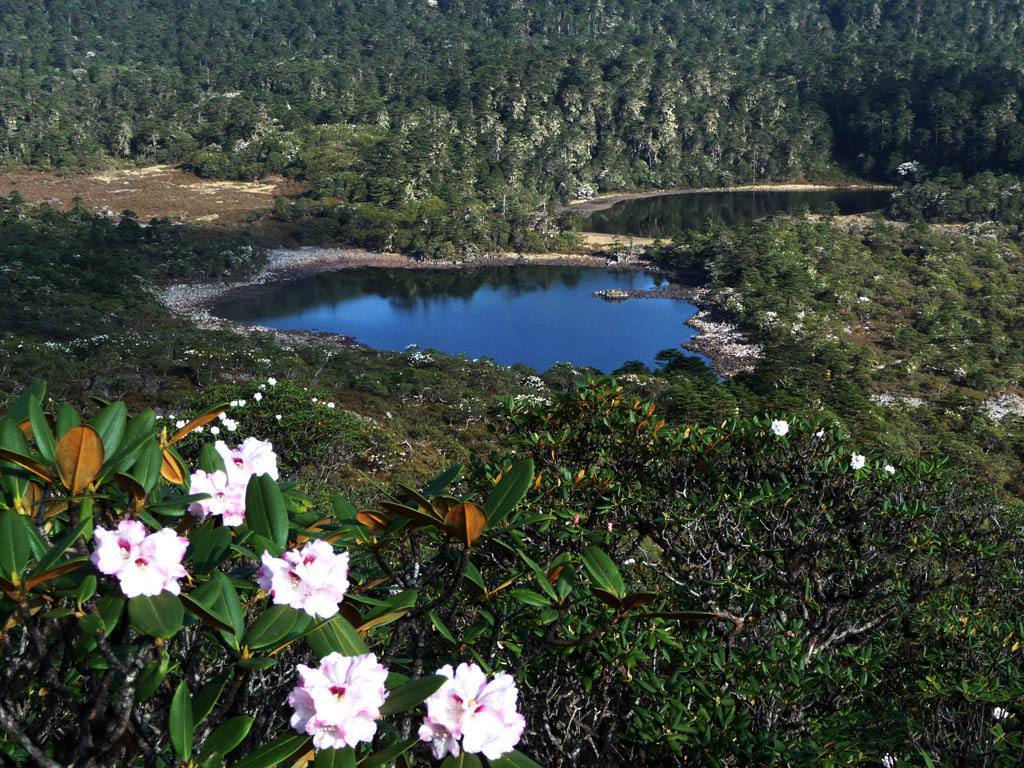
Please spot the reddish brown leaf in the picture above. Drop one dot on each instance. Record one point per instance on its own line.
(465, 522)
(79, 456)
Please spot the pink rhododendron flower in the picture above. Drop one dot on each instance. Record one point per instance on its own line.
(143, 564)
(227, 499)
(338, 703)
(313, 579)
(252, 457)
(227, 488)
(469, 713)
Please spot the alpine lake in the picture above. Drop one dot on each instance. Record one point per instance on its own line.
(529, 314)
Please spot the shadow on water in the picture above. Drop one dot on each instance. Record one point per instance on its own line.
(536, 315)
(666, 215)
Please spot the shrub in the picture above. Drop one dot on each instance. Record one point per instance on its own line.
(154, 615)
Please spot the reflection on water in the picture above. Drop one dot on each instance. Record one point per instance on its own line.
(665, 215)
(523, 314)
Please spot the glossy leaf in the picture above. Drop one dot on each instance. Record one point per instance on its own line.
(79, 456)
(14, 546)
(603, 571)
(335, 758)
(181, 727)
(226, 737)
(509, 491)
(160, 616)
(45, 442)
(265, 511)
(110, 424)
(465, 522)
(336, 635)
(411, 694)
(276, 624)
(276, 752)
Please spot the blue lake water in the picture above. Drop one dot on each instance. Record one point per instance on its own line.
(537, 315)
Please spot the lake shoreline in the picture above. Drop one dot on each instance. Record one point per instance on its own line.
(606, 200)
(722, 344)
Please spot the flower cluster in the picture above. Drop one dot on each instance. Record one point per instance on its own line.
(338, 703)
(780, 427)
(226, 488)
(144, 564)
(469, 713)
(313, 579)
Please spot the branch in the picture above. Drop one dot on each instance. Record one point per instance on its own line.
(12, 727)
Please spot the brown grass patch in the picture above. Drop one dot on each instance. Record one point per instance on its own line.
(157, 190)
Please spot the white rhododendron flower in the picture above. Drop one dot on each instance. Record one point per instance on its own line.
(215, 430)
(272, 381)
(856, 461)
(890, 469)
(313, 579)
(227, 498)
(469, 713)
(257, 396)
(144, 564)
(780, 427)
(1000, 714)
(888, 761)
(338, 703)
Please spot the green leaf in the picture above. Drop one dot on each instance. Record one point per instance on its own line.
(137, 432)
(509, 491)
(388, 755)
(14, 546)
(18, 412)
(276, 752)
(336, 635)
(604, 573)
(217, 602)
(210, 460)
(45, 442)
(265, 510)
(529, 597)
(207, 545)
(207, 697)
(335, 758)
(146, 469)
(110, 424)
(540, 575)
(514, 759)
(159, 616)
(441, 627)
(442, 481)
(181, 726)
(226, 737)
(277, 624)
(343, 509)
(152, 675)
(53, 554)
(67, 418)
(412, 694)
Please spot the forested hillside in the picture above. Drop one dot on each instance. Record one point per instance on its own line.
(481, 112)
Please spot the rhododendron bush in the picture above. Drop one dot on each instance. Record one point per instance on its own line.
(608, 589)
(157, 613)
